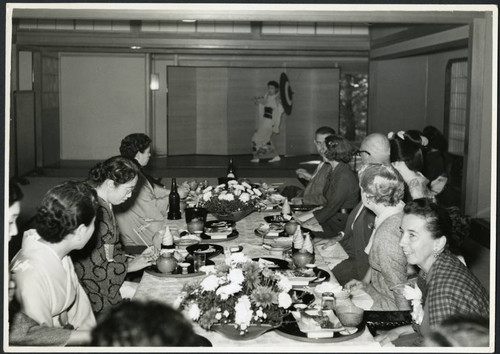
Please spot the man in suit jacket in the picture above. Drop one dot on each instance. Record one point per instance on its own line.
(375, 148)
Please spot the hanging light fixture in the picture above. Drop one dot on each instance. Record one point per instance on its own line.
(154, 82)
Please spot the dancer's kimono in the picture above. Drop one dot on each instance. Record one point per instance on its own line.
(48, 288)
(270, 112)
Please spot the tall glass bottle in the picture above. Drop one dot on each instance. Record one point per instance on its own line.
(230, 170)
(174, 200)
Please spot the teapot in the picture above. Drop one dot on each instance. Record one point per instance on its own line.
(301, 258)
(166, 263)
(195, 226)
(291, 227)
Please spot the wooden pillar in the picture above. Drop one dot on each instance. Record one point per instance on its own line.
(479, 188)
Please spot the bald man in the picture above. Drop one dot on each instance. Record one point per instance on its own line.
(375, 148)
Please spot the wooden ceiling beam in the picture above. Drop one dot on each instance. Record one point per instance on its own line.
(252, 12)
(179, 41)
(452, 38)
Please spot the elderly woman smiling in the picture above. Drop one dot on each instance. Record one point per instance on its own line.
(382, 190)
(429, 238)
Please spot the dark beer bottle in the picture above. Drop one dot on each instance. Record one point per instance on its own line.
(174, 200)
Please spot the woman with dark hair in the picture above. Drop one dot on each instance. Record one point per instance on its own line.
(407, 156)
(341, 190)
(436, 154)
(15, 197)
(145, 324)
(102, 265)
(23, 330)
(47, 286)
(445, 286)
(382, 191)
(146, 209)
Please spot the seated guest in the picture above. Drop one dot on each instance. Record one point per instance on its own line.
(24, 331)
(145, 324)
(436, 153)
(445, 286)
(437, 162)
(382, 190)
(374, 149)
(341, 190)
(460, 331)
(47, 287)
(315, 183)
(407, 157)
(149, 199)
(102, 265)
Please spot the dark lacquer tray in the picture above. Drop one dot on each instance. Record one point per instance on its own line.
(290, 329)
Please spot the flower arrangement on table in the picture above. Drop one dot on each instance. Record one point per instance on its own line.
(231, 198)
(239, 292)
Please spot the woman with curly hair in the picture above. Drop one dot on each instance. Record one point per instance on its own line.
(341, 190)
(382, 191)
(149, 201)
(102, 265)
(431, 236)
(47, 285)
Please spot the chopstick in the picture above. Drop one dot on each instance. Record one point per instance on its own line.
(137, 233)
(129, 256)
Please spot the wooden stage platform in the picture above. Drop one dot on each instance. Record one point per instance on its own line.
(196, 166)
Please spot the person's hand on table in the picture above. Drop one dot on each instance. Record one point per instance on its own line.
(354, 284)
(145, 259)
(385, 338)
(302, 173)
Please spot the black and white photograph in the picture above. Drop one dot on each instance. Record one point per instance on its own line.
(250, 177)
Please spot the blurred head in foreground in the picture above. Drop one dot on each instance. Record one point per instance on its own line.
(145, 324)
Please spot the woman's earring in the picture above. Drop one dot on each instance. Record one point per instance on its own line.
(437, 253)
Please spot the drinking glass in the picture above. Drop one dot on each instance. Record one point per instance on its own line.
(199, 260)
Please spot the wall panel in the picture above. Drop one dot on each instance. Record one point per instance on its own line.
(103, 99)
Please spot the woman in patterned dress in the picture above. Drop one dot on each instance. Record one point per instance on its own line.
(445, 286)
(102, 265)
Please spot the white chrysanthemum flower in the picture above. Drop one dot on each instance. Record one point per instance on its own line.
(226, 313)
(257, 192)
(243, 312)
(237, 192)
(284, 300)
(284, 283)
(206, 196)
(208, 189)
(218, 316)
(244, 197)
(194, 312)
(236, 276)
(227, 290)
(220, 186)
(210, 283)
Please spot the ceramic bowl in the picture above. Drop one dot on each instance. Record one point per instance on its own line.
(350, 315)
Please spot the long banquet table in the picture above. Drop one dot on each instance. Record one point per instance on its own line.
(166, 289)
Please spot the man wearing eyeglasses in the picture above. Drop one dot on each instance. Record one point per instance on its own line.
(315, 182)
(375, 148)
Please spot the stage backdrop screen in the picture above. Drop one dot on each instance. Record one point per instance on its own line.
(210, 109)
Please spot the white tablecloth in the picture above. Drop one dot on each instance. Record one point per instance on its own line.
(166, 289)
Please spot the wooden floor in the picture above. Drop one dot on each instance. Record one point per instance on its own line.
(195, 166)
